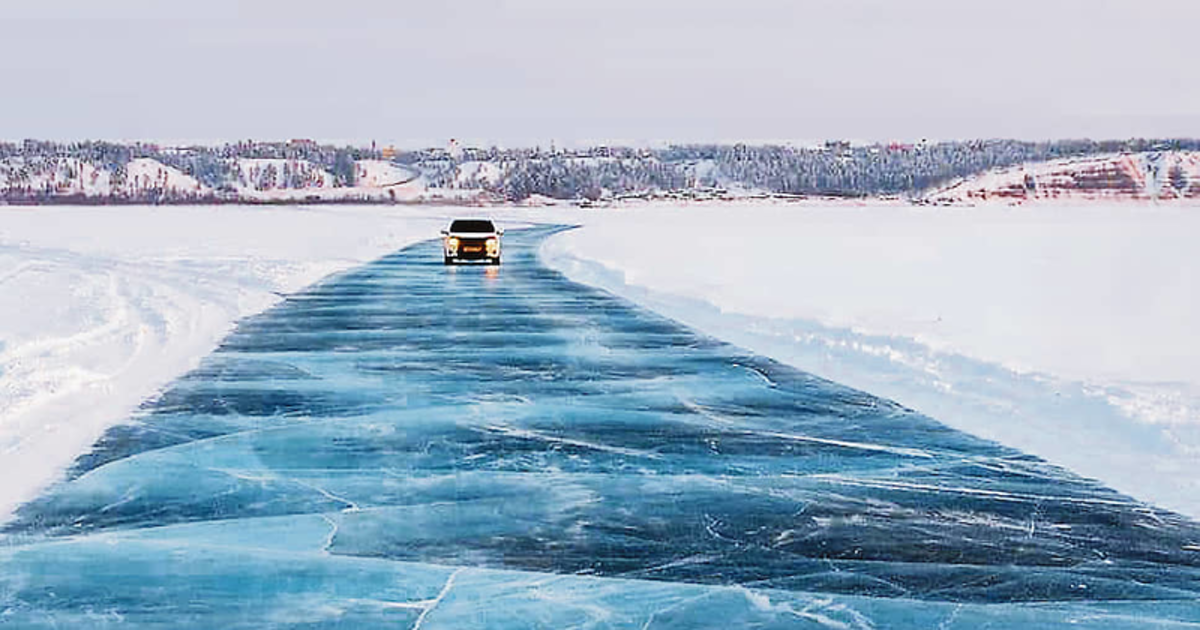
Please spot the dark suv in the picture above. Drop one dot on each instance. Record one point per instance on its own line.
(472, 239)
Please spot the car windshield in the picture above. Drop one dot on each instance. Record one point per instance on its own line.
(472, 225)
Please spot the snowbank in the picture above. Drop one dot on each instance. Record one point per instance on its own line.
(1066, 332)
(101, 307)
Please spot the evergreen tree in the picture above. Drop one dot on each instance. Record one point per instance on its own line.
(1178, 178)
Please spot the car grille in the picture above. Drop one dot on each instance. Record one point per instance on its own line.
(472, 248)
(472, 245)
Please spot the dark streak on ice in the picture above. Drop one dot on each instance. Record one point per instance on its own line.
(512, 420)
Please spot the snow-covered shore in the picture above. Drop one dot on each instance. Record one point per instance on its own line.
(1064, 331)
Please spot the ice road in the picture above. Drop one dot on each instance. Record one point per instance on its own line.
(408, 444)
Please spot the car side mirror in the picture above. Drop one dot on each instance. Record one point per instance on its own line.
(445, 232)
(500, 231)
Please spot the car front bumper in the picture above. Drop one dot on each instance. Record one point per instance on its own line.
(472, 250)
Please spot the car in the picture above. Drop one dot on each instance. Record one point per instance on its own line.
(471, 239)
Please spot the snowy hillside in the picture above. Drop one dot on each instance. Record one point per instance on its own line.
(60, 175)
(382, 174)
(145, 174)
(250, 179)
(477, 174)
(260, 174)
(38, 172)
(72, 176)
(1137, 176)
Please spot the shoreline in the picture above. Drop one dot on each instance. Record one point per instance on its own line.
(631, 202)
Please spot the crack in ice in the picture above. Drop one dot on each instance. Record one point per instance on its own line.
(351, 506)
(797, 437)
(433, 603)
(333, 531)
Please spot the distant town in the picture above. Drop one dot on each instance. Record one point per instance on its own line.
(36, 172)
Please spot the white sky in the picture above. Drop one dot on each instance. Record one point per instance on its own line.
(524, 72)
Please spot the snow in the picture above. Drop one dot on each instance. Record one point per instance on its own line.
(473, 173)
(102, 306)
(382, 173)
(148, 174)
(539, 201)
(1065, 331)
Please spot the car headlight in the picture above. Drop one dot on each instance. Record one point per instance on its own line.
(452, 243)
(493, 245)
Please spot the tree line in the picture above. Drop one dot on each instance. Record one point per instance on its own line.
(836, 168)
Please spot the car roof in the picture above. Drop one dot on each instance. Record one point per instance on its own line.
(472, 225)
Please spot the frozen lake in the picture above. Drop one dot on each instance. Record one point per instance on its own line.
(438, 447)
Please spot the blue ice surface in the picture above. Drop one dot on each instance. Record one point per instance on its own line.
(414, 445)
(1076, 424)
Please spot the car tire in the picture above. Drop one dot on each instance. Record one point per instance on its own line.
(448, 260)
(495, 261)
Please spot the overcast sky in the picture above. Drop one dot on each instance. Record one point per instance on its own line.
(526, 72)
